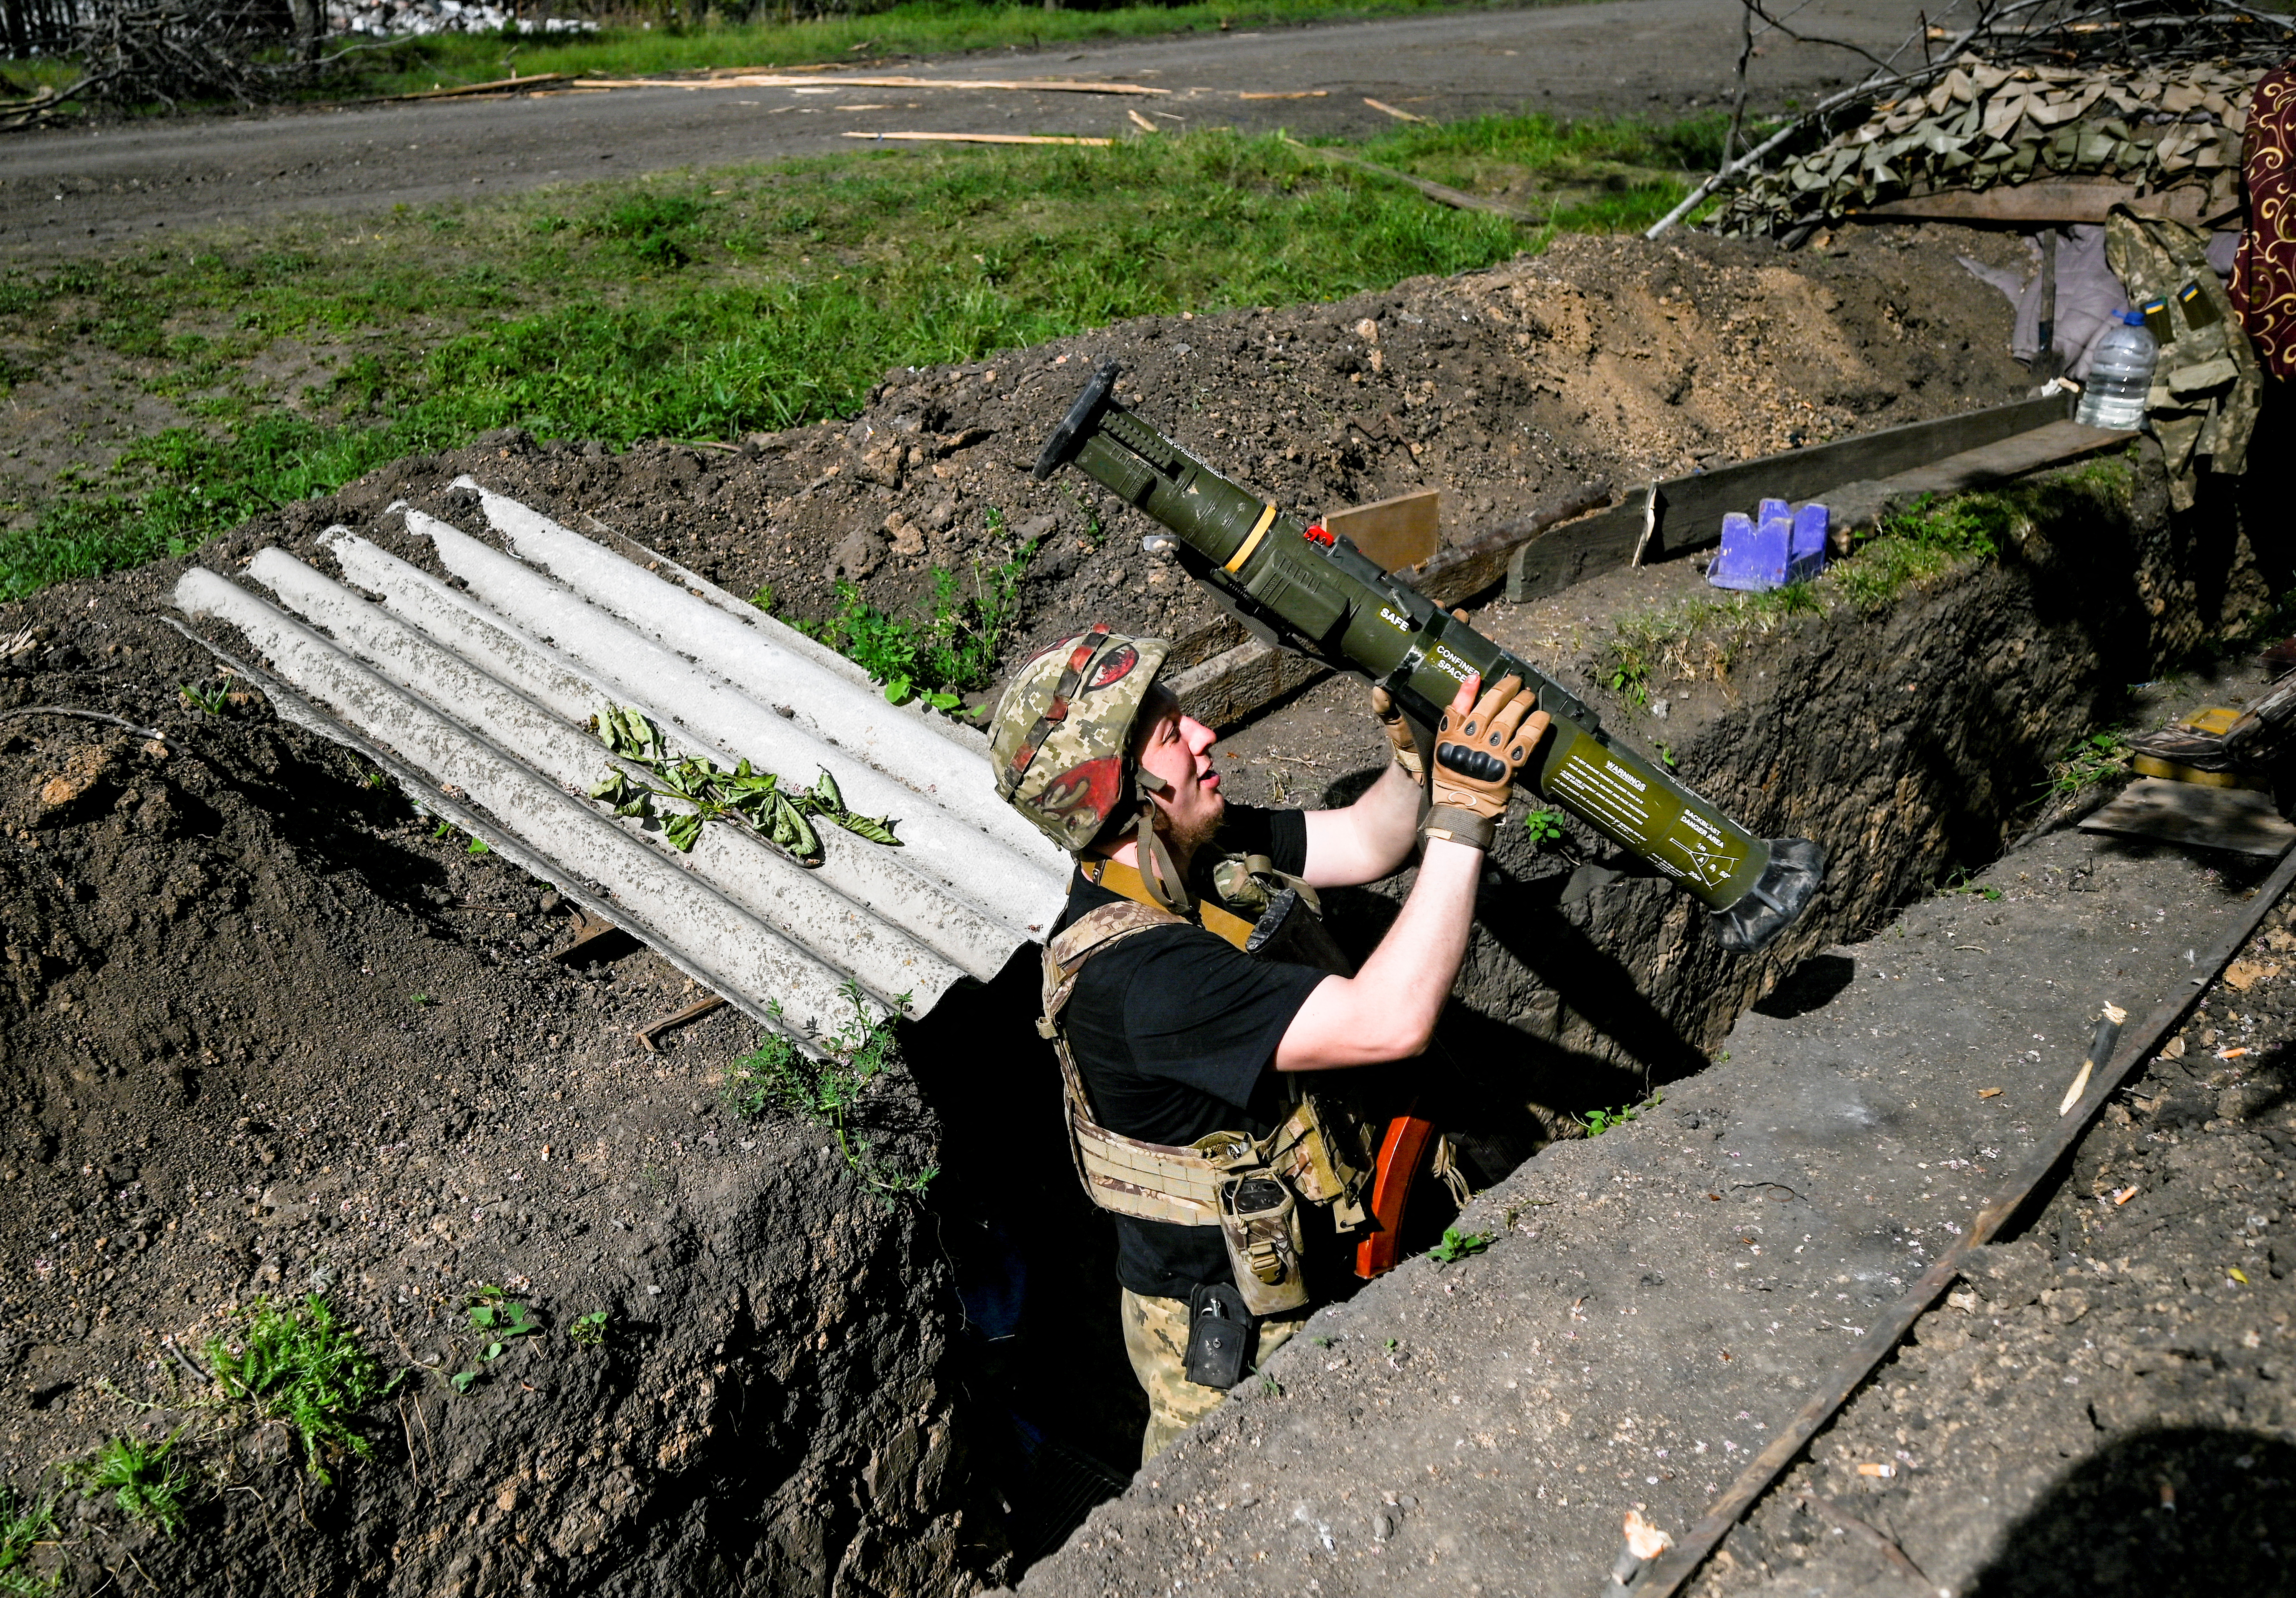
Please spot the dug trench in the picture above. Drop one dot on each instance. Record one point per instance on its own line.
(271, 1032)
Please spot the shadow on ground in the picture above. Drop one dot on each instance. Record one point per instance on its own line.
(2192, 1510)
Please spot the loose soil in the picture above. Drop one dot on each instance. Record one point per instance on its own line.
(265, 1032)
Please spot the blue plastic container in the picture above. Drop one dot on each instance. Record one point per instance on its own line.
(1806, 550)
(1779, 546)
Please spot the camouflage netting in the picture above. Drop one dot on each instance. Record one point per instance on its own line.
(1982, 125)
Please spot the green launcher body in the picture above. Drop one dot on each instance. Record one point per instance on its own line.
(1296, 584)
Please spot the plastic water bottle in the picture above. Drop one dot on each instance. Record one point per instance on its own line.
(2119, 375)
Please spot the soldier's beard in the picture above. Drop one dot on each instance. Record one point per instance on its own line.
(1184, 838)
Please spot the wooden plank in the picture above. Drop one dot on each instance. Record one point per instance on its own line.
(1858, 505)
(500, 85)
(1574, 552)
(1228, 687)
(2238, 820)
(1690, 509)
(1440, 193)
(2024, 204)
(979, 139)
(2051, 446)
(1455, 575)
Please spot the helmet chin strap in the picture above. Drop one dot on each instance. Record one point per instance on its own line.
(1158, 872)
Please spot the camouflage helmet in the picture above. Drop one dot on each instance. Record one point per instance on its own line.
(1061, 738)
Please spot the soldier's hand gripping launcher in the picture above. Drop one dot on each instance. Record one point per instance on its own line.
(1298, 586)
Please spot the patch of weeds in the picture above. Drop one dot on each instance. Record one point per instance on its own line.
(1545, 824)
(204, 698)
(938, 660)
(2099, 757)
(444, 829)
(420, 1000)
(1458, 1245)
(145, 1480)
(1923, 539)
(302, 1366)
(588, 1331)
(499, 1320)
(1959, 883)
(777, 1074)
(477, 847)
(745, 796)
(1599, 1121)
(26, 1524)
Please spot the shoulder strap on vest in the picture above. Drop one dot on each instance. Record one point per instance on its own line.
(1155, 1182)
(1118, 877)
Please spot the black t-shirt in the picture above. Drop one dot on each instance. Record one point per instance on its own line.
(1174, 1032)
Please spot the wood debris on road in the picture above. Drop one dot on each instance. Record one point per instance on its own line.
(694, 1011)
(500, 85)
(983, 138)
(1401, 116)
(782, 80)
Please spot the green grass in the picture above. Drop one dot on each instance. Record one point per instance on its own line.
(2099, 757)
(707, 305)
(1599, 1121)
(25, 1524)
(302, 1366)
(145, 1480)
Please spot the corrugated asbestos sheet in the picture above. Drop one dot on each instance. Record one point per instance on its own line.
(478, 696)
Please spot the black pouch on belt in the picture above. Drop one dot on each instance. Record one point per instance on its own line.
(1219, 1336)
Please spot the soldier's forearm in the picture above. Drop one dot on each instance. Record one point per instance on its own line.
(1387, 1009)
(1367, 840)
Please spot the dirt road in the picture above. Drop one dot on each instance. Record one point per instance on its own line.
(63, 193)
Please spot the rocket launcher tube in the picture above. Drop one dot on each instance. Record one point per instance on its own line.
(1298, 586)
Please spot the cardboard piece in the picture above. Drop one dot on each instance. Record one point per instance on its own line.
(2238, 820)
(1397, 532)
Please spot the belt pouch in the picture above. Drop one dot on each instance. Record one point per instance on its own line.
(1259, 1222)
(1219, 1336)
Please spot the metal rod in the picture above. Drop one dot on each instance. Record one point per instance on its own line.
(153, 733)
(1674, 1569)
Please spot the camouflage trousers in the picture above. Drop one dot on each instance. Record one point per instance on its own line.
(1156, 1341)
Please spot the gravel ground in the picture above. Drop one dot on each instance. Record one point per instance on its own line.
(1653, 1302)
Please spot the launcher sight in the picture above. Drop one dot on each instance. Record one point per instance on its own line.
(1295, 584)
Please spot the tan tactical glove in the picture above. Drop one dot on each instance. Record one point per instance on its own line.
(1476, 758)
(1398, 733)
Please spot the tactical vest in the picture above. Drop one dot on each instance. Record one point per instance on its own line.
(1250, 1188)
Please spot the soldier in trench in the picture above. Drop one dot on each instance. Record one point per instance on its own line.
(1196, 1005)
